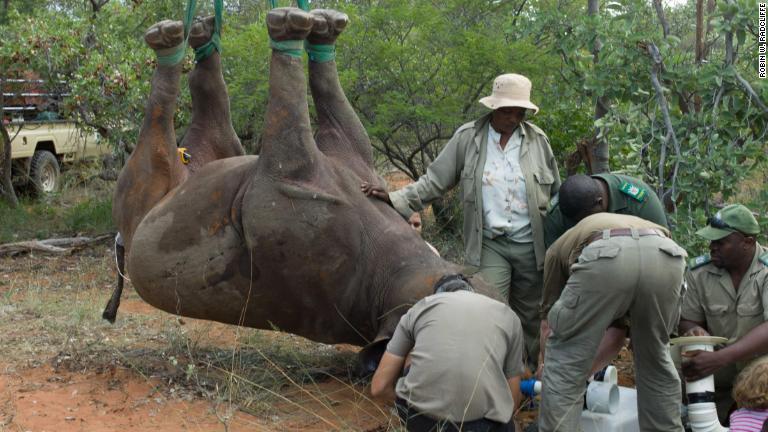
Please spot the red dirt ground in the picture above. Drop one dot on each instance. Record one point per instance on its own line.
(40, 392)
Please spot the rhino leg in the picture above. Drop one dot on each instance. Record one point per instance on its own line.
(288, 149)
(340, 132)
(154, 167)
(210, 135)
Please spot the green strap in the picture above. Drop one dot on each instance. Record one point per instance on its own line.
(303, 4)
(291, 48)
(204, 51)
(178, 54)
(320, 53)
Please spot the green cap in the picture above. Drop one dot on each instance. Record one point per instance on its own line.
(731, 219)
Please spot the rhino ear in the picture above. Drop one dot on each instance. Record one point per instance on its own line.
(370, 355)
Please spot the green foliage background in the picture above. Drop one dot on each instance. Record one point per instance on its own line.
(414, 71)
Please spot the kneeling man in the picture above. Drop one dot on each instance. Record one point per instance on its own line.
(466, 358)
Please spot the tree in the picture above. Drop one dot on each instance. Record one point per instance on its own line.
(7, 193)
(694, 129)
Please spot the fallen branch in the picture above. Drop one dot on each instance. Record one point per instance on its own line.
(56, 246)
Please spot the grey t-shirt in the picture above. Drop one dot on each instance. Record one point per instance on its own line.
(463, 348)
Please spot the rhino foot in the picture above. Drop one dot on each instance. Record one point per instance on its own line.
(164, 35)
(327, 25)
(201, 31)
(288, 24)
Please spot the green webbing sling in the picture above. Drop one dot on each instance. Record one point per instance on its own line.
(290, 48)
(320, 53)
(317, 53)
(303, 4)
(180, 49)
(202, 52)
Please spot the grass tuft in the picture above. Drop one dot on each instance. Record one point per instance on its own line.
(68, 213)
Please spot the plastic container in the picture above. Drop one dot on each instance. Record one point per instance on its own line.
(623, 420)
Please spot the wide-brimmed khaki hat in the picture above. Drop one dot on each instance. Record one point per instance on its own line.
(510, 90)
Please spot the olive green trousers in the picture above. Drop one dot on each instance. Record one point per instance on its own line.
(510, 267)
(639, 277)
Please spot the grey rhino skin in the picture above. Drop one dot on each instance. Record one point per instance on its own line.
(286, 240)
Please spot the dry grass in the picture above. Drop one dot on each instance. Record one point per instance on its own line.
(50, 311)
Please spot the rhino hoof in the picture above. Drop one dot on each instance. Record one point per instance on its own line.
(201, 31)
(327, 25)
(165, 34)
(288, 24)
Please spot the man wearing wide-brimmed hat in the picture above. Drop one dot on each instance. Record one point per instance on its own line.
(727, 296)
(507, 174)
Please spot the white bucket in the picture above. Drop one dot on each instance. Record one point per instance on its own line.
(602, 397)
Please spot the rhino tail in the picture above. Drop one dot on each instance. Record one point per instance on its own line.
(110, 311)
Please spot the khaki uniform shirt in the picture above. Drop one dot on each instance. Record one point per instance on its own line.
(566, 250)
(731, 313)
(464, 346)
(462, 161)
(626, 195)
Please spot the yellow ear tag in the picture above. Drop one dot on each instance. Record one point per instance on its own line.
(183, 155)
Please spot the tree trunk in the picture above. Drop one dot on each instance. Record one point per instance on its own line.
(6, 186)
(600, 152)
(699, 46)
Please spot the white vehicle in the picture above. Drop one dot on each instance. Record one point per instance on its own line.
(40, 141)
(39, 148)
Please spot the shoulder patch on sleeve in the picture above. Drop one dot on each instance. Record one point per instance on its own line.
(554, 202)
(699, 261)
(764, 258)
(635, 192)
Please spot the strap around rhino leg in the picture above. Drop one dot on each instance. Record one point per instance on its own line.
(174, 56)
(320, 53)
(204, 51)
(290, 48)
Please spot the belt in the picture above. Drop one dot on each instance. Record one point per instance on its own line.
(625, 232)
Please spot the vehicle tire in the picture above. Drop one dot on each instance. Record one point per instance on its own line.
(44, 173)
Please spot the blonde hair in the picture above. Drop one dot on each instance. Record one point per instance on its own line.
(751, 388)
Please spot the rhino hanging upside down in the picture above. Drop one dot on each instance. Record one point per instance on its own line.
(283, 240)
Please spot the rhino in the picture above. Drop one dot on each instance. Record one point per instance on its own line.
(282, 240)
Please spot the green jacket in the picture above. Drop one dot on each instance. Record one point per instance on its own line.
(462, 161)
(621, 200)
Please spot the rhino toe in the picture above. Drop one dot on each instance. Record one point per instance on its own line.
(165, 34)
(327, 25)
(288, 24)
(201, 31)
